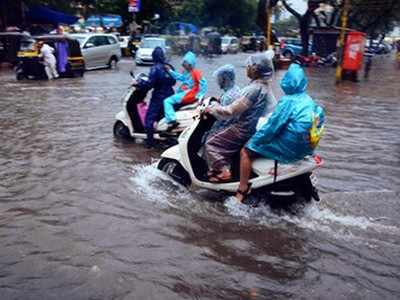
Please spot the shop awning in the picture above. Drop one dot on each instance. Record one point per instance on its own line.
(44, 15)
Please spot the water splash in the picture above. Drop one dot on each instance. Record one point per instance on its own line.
(311, 217)
(156, 185)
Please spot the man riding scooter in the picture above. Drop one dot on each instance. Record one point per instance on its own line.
(162, 84)
(194, 87)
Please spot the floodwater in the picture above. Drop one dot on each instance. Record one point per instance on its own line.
(85, 216)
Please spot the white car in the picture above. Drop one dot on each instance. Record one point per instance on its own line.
(99, 50)
(230, 44)
(146, 48)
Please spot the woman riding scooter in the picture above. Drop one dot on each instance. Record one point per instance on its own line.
(256, 99)
(162, 84)
(291, 133)
(194, 87)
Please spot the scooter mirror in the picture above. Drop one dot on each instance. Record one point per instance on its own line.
(132, 74)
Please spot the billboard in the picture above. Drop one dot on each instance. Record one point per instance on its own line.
(134, 6)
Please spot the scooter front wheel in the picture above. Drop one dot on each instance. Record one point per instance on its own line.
(121, 131)
(20, 76)
(174, 170)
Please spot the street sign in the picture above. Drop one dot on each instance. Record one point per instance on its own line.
(134, 6)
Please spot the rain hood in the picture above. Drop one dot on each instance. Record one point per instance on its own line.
(294, 81)
(190, 58)
(158, 55)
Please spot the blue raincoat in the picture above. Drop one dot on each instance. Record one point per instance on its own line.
(162, 84)
(294, 129)
(193, 87)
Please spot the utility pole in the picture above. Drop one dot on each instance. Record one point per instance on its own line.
(268, 30)
(269, 27)
(344, 19)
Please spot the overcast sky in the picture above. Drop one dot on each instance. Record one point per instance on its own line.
(299, 5)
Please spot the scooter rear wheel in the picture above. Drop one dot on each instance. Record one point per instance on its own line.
(174, 170)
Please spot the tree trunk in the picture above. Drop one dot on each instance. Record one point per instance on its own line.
(304, 23)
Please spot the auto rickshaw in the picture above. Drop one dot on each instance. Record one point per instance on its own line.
(256, 42)
(133, 44)
(70, 62)
(10, 44)
(211, 44)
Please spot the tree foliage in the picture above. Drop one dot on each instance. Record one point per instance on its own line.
(374, 16)
(286, 27)
(228, 13)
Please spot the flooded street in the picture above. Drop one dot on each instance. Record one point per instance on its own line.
(86, 216)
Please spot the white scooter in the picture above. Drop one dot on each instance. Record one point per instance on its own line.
(130, 120)
(184, 164)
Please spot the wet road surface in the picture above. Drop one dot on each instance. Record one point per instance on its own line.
(85, 216)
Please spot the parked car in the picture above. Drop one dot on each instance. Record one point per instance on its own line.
(99, 50)
(124, 44)
(291, 47)
(230, 44)
(146, 47)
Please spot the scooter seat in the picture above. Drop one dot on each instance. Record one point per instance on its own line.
(262, 166)
(190, 106)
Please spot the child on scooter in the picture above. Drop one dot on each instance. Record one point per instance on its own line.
(194, 87)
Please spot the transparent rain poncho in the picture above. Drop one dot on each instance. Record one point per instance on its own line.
(254, 101)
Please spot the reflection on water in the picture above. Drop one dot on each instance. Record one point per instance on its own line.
(84, 216)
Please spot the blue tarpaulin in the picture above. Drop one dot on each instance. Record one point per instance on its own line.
(187, 27)
(43, 15)
(104, 20)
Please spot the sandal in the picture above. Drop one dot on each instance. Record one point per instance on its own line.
(245, 193)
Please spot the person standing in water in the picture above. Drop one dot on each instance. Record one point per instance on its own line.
(49, 60)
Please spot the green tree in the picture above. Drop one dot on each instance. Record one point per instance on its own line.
(235, 14)
(286, 27)
(374, 17)
(191, 12)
